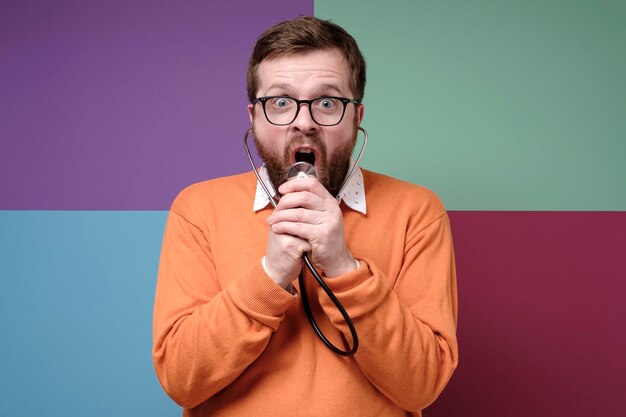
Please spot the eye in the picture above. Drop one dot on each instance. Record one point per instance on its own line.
(280, 102)
(327, 103)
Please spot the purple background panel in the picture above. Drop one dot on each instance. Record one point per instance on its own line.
(119, 105)
(541, 315)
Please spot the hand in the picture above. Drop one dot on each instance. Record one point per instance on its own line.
(309, 213)
(283, 258)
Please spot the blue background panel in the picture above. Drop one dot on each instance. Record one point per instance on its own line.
(76, 301)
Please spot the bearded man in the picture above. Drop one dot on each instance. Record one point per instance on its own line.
(230, 334)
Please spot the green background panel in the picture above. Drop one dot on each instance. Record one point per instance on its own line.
(496, 105)
(76, 297)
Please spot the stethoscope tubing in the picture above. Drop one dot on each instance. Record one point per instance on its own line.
(335, 301)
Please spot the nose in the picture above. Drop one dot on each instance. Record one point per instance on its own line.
(304, 122)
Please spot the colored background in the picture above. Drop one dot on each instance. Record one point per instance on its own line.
(496, 105)
(511, 111)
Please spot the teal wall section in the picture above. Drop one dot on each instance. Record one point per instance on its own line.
(496, 105)
(76, 314)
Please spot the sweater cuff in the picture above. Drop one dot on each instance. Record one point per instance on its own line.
(350, 280)
(359, 291)
(259, 296)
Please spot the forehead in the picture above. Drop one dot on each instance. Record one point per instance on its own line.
(305, 74)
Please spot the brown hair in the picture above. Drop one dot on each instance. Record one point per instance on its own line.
(306, 34)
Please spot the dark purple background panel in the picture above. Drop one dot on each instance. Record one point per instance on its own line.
(541, 320)
(120, 104)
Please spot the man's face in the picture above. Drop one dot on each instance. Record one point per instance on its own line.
(304, 77)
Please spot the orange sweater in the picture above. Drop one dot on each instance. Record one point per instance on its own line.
(228, 341)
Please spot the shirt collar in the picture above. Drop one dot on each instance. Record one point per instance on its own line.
(353, 194)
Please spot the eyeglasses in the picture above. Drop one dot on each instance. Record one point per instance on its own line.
(283, 110)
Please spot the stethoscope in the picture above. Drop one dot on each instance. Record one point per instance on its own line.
(296, 170)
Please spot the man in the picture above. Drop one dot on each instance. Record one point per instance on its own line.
(230, 335)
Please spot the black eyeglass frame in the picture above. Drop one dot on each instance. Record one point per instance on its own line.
(299, 103)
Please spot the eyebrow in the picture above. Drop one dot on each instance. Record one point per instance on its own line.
(288, 89)
(330, 87)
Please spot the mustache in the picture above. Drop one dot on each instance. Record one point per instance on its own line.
(299, 140)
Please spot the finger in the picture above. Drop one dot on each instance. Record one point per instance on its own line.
(304, 231)
(288, 243)
(296, 215)
(304, 184)
(304, 199)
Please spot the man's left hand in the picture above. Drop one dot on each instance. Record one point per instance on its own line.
(307, 210)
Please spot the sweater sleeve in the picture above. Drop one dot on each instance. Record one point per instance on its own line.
(204, 336)
(407, 332)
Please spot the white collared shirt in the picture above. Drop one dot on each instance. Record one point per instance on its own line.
(353, 194)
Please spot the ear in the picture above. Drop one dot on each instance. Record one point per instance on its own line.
(359, 113)
(251, 113)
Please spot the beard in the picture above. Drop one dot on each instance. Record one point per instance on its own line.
(331, 171)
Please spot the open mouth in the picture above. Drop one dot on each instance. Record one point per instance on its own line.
(305, 155)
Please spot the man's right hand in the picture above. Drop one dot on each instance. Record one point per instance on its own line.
(283, 259)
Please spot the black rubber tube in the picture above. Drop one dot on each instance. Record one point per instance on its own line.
(336, 302)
